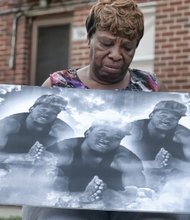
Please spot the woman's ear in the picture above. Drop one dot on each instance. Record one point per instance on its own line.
(89, 40)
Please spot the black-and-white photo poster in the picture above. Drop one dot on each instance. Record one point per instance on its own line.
(94, 149)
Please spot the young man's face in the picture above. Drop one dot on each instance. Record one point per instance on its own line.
(110, 56)
(43, 114)
(103, 139)
(164, 120)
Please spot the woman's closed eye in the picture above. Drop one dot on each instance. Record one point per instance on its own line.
(128, 49)
(107, 43)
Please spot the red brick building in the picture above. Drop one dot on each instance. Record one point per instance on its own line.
(38, 37)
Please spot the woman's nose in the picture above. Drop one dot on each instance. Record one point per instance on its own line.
(115, 53)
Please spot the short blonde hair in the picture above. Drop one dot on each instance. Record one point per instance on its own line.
(120, 17)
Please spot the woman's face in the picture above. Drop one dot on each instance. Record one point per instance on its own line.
(110, 56)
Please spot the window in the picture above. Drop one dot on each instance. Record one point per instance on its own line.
(50, 52)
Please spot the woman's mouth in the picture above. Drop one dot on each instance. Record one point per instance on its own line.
(112, 69)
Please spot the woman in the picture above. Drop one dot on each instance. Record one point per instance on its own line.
(114, 28)
(112, 44)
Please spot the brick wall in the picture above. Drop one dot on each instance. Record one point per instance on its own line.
(172, 59)
(172, 63)
(14, 43)
(80, 51)
(19, 71)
